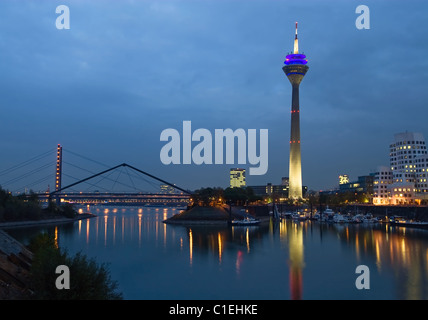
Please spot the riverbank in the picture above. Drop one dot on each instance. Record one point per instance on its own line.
(419, 213)
(15, 263)
(58, 220)
(201, 215)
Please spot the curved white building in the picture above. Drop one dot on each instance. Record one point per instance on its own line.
(405, 182)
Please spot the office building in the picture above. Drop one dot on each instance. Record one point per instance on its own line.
(364, 184)
(343, 178)
(405, 181)
(382, 181)
(237, 178)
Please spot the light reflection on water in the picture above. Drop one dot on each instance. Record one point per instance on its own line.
(286, 260)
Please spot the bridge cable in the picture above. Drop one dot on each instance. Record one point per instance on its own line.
(86, 158)
(132, 181)
(120, 172)
(27, 174)
(107, 166)
(102, 177)
(158, 179)
(115, 167)
(28, 185)
(94, 185)
(153, 184)
(86, 179)
(23, 164)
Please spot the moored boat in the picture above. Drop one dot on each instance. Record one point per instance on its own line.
(358, 218)
(339, 218)
(328, 211)
(368, 218)
(299, 216)
(286, 215)
(316, 217)
(247, 221)
(401, 221)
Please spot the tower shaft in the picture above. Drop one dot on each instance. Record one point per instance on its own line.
(295, 163)
(295, 73)
(295, 69)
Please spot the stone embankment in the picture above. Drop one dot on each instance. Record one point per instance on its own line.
(15, 263)
(16, 259)
(201, 215)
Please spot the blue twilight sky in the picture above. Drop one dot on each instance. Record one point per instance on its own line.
(126, 70)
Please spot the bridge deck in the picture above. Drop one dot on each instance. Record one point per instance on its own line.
(128, 198)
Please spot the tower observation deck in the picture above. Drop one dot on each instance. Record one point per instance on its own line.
(295, 69)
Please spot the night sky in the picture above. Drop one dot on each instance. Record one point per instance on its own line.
(126, 70)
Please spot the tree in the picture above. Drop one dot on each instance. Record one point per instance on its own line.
(89, 280)
(240, 196)
(208, 196)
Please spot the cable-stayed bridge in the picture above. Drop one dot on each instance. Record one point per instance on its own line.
(67, 176)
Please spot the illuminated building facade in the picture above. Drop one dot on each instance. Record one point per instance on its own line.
(407, 183)
(279, 190)
(237, 178)
(408, 153)
(364, 184)
(295, 69)
(167, 189)
(381, 183)
(343, 178)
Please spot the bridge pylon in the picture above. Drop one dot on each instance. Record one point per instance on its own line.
(58, 171)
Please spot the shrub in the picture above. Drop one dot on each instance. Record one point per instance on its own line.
(68, 211)
(88, 280)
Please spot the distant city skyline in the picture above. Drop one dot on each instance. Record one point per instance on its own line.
(125, 71)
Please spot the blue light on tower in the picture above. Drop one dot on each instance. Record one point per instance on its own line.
(295, 58)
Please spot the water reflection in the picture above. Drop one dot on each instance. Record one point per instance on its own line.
(191, 246)
(216, 240)
(402, 251)
(398, 253)
(295, 240)
(284, 255)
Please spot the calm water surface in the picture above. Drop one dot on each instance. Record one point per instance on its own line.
(286, 260)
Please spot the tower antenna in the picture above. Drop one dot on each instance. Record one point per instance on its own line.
(296, 43)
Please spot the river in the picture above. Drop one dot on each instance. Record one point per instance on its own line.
(277, 261)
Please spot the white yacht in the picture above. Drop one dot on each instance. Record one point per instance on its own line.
(247, 221)
(339, 218)
(357, 218)
(299, 216)
(328, 211)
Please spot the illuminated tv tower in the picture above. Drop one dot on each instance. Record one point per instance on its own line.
(295, 69)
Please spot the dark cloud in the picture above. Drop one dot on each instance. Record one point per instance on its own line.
(126, 70)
